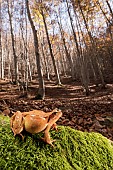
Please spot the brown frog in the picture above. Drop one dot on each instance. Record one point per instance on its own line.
(34, 122)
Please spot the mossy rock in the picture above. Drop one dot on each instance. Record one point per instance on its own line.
(74, 150)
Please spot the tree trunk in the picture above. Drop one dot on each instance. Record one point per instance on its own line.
(45, 62)
(71, 67)
(51, 52)
(13, 45)
(94, 54)
(41, 91)
(1, 56)
(83, 74)
(110, 9)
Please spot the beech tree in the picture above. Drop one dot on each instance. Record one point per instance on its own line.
(40, 7)
(41, 91)
(13, 42)
(1, 56)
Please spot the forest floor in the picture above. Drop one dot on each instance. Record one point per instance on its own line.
(93, 113)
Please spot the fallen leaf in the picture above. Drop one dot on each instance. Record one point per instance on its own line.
(100, 118)
(6, 112)
(80, 121)
(79, 127)
(97, 125)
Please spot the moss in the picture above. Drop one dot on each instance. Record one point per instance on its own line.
(74, 150)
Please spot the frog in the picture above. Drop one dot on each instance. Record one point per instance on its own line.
(34, 122)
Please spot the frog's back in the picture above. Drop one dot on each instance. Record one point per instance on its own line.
(35, 123)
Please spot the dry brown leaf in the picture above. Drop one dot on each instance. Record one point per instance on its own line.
(100, 118)
(97, 125)
(97, 115)
(6, 112)
(80, 121)
(104, 130)
(79, 127)
(65, 121)
(89, 121)
(74, 119)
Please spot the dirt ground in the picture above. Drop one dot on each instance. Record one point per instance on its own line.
(85, 113)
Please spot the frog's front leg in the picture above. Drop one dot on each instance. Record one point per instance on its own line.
(54, 127)
(51, 123)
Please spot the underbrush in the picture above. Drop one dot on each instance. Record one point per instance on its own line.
(73, 150)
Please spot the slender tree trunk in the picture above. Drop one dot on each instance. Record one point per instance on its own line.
(110, 9)
(104, 14)
(51, 52)
(66, 50)
(13, 45)
(87, 51)
(25, 54)
(95, 56)
(41, 91)
(0, 24)
(110, 25)
(84, 76)
(1, 56)
(61, 62)
(45, 62)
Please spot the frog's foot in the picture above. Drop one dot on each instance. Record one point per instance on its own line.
(48, 141)
(22, 136)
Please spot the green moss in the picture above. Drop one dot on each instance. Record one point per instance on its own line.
(74, 150)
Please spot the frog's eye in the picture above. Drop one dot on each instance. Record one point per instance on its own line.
(55, 113)
(58, 110)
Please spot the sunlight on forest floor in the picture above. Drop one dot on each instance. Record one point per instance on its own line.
(85, 113)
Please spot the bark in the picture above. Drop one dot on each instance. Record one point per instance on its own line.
(66, 50)
(45, 62)
(107, 19)
(83, 72)
(63, 71)
(13, 45)
(111, 24)
(1, 56)
(51, 51)
(108, 4)
(25, 53)
(93, 46)
(87, 50)
(0, 43)
(41, 91)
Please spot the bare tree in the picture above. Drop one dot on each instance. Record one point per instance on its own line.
(82, 64)
(13, 43)
(41, 91)
(1, 56)
(50, 48)
(71, 66)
